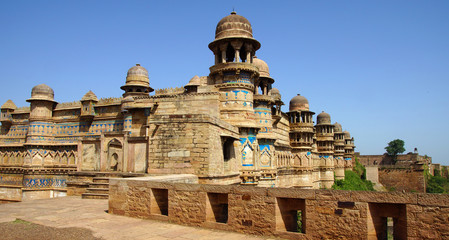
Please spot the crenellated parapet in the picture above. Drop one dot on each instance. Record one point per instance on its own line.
(169, 91)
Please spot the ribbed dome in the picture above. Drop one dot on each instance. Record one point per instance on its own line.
(323, 118)
(347, 135)
(42, 92)
(233, 26)
(337, 127)
(9, 105)
(89, 96)
(137, 70)
(264, 71)
(137, 76)
(299, 103)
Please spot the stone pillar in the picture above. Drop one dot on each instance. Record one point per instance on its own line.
(80, 156)
(125, 159)
(216, 51)
(236, 45)
(249, 49)
(223, 52)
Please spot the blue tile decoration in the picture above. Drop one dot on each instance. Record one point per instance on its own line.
(44, 181)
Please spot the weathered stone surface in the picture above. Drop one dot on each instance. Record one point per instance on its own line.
(326, 214)
(291, 193)
(335, 195)
(385, 197)
(216, 188)
(402, 179)
(187, 207)
(440, 200)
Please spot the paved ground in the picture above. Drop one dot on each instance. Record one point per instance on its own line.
(91, 214)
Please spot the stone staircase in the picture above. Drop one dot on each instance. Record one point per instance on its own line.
(99, 187)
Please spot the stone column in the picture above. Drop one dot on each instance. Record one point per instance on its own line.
(249, 49)
(223, 52)
(216, 55)
(237, 45)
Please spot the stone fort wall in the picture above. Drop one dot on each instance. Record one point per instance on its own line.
(289, 213)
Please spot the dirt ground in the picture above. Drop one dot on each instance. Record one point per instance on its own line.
(20, 229)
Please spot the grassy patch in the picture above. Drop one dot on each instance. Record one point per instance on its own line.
(20, 221)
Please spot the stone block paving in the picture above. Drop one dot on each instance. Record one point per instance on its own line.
(91, 214)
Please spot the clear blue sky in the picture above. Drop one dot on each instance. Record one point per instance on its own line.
(380, 68)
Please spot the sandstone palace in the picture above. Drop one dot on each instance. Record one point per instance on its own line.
(225, 128)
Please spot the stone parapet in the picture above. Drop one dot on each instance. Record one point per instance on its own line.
(322, 214)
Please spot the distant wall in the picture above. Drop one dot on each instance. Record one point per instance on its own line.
(402, 179)
(403, 160)
(372, 173)
(289, 213)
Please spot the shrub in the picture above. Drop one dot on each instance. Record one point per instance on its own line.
(353, 181)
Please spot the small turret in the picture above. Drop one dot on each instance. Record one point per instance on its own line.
(137, 82)
(88, 102)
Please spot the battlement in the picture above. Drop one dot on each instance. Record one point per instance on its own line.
(169, 91)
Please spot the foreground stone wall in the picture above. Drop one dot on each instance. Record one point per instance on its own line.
(289, 213)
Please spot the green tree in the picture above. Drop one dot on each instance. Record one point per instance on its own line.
(394, 148)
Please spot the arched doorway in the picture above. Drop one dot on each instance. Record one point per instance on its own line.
(115, 156)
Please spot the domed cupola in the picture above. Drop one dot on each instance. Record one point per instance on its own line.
(276, 94)
(265, 81)
(137, 82)
(299, 103)
(264, 71)
(42, 92)
(233, 25)
(234, 40)
(323, 118)
(337, 127)
(41, 103)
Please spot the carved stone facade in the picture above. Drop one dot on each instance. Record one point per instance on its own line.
(226, 128)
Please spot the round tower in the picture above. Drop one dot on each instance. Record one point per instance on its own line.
(233, 74)
(339, 151)
(301, 141)
(263, 102)
(235, 77)
(325, 144)
(137, 82)
(349, 150)
(42, 103)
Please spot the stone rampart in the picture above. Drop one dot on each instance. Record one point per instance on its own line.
(289, 213)
(409, 180)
